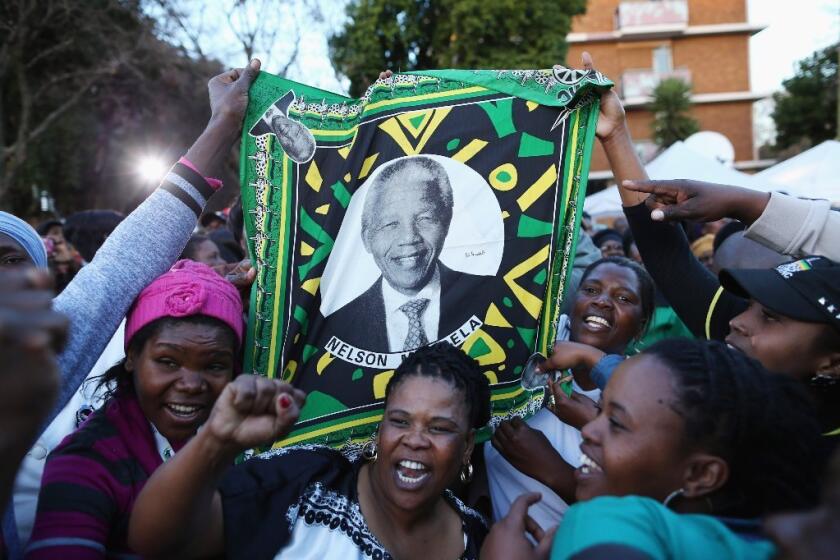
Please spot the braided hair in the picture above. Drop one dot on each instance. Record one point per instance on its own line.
(647, 288)
(763, 425)
(448, 363)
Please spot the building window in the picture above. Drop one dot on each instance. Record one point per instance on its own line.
(662, 61)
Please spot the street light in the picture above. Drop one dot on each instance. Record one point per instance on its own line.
(151, 168)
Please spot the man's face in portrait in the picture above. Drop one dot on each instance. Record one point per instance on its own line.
(406, 231)
(295, 139)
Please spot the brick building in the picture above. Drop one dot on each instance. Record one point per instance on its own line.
(637, 43)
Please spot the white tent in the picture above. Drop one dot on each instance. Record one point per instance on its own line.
(814, 173)
(677, 162)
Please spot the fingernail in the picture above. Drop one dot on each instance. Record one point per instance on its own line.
(255, 64)
(285, 401)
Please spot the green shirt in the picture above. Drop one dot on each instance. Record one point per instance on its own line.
(651, 528)
(664, 324)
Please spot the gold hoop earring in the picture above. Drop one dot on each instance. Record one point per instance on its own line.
(466, 473)
(370, 452)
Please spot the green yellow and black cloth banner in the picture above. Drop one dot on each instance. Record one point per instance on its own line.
(443, 205)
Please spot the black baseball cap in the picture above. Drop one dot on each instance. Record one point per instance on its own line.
(603, 235)
(806, 289)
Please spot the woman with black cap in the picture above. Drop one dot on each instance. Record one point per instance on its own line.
(788, 318)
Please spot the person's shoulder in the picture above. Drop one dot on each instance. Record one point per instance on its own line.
(649, 527)
(278, 468)
(618, 521)
(474, 525)
(94, 457)
(263, 498)
(96, 436)
(472, 518)
(622, 503)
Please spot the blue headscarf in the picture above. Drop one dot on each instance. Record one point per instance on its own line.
(26, 236)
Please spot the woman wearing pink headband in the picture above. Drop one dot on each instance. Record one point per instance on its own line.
(182, 340)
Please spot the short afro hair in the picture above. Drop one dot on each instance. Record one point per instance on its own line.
(446, 362)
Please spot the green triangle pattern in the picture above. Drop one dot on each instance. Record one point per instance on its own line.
(531, 146)
(528, 336)
(417, 121)
(479, 349)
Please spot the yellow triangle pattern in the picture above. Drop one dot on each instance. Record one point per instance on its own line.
(494, 317)
(345, 151)
(407, 118)
(313, 177)
(395, 131)
(306, 249)
(311, 285)
(347, 177)
(323, 209)
(367, 165)
(531, 105)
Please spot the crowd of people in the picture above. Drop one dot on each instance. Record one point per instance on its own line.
(702, 336)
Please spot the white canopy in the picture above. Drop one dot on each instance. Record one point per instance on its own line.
(677, 162)
(814, 173)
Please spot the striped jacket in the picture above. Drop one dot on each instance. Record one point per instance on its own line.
(90, 483)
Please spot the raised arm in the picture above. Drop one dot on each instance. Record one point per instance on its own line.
(148, 242)
(696, 201)
(790, 225)
(614, 135)
(179, 512)
(693, 292)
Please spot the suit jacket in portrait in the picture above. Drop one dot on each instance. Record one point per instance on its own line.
(361, 322)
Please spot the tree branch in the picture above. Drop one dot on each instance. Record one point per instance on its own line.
(48, 52)
(295, 52)
(58, 111)
(178, 18)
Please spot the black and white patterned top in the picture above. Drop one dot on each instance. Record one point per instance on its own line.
(303, 504)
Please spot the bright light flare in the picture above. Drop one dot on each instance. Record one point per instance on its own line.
(151, 168)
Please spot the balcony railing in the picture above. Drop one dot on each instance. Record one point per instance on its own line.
(641, 83)
(650, 15)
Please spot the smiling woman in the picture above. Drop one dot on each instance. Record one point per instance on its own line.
(693, 443)
(181, 339)
(705, 430)
(313, 503)
(613, 304)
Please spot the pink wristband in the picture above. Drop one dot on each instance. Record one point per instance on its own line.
(214, 183)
